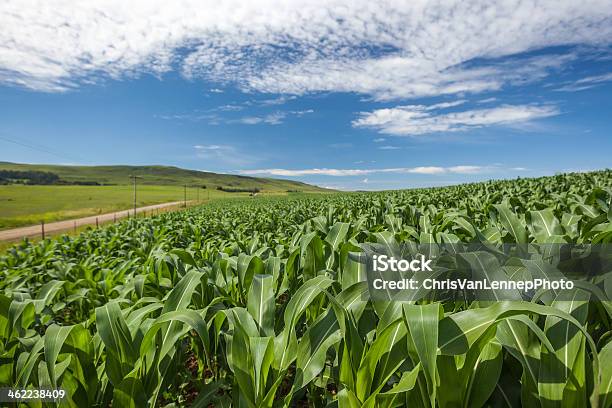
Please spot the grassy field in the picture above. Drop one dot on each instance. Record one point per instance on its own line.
(22, 205)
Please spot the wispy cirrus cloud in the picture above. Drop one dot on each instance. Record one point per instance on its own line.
(222, 154)
(432, 170)
(388, 49)
(213, 116)
(275, 118)
(230, 107)
(212, 150)
(210, 115)
(415, 120)
(281, 100)
(586, 83)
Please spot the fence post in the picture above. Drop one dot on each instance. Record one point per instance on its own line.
(75, 226)
(42, 227)
(96, 222)
(115, 217)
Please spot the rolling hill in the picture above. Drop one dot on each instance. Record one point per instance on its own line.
(161, 175)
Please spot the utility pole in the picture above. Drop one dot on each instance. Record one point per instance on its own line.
(134, 177)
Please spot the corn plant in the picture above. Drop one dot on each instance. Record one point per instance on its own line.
(261, 303)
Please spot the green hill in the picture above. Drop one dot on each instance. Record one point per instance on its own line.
(161, 176)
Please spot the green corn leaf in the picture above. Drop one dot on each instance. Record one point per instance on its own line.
(348, 399)
(337, 234)
(54, 340)
(483, 374)
(262, 354)
(422, 322)
(544, 224)
(559, 382)
(285, 341)
(180, 296)
(381, 360)
(313, 346)
(117, 340)
(46, 294)
(261, 302)
(512, 223)
(248, 266)
(605, 392)
(26, 365)
(130, 394)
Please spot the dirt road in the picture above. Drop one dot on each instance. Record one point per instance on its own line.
(36, 230)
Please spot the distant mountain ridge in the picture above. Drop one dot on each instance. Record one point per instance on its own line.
(161, 175)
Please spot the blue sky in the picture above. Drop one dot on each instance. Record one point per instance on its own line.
(367, 97)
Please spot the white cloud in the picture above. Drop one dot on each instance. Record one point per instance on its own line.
(428, 170)
(445, 105)
(227, 108)
(385, 78)
(275, 118)
(464, 169)
(487, 100)
(388, 147)
(213, 117)
(379, 140)
(300, 113)
(586, 83)
(212, 147)
(308, 172)
(334, 187)
(271, 119)
(193, 117)
(274, 101)
(384, 49)
(420, 119)
(250, 120)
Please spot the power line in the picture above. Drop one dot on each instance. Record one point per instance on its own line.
(39, 148)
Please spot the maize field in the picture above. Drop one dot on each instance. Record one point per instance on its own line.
(257, 303)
